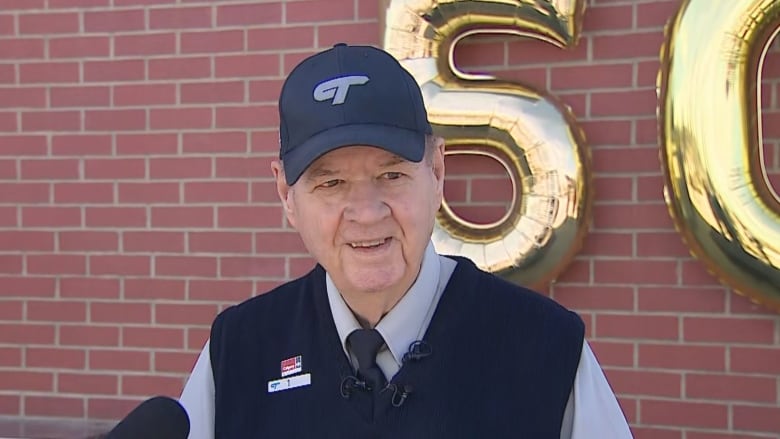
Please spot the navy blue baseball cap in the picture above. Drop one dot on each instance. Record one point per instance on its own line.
(349, 95)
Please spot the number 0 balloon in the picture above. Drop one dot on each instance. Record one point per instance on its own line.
(533, 135)
(716, 186)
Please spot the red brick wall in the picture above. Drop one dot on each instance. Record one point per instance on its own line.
(136, 201)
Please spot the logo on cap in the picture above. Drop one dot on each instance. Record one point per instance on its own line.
(337, 88)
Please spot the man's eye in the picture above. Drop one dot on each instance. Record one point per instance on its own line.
(392, 175)
(330, 183)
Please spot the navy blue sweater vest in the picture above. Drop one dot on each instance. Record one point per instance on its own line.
(502, 365)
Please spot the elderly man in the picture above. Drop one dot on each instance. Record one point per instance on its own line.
(385, 337)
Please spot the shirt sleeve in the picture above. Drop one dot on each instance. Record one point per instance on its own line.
(593, 410)
(197, 398)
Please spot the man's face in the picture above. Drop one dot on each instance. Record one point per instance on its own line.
(366, 215)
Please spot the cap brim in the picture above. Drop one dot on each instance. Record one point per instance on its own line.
(406, 143)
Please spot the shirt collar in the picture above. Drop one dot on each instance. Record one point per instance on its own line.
(404, 323)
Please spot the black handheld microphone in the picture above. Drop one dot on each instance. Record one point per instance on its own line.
(160, 417)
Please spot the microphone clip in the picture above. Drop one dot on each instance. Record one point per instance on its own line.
(400, 393)
(418, 350)
(351, 383)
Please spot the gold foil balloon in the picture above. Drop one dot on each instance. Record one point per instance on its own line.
(534, 136)
(716, 186)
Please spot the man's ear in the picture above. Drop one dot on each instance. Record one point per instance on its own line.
(438, 165)
(284, 191)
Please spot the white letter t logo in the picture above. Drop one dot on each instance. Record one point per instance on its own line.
(337, 88)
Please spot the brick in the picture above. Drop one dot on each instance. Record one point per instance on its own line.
(636, 271)
(56, 264)
(196, 337)
(220, 242)
(247, 116)
(10, 356)
(678, 413)
(531, 52)
(185, 314)
(81, 144)
(249, 14)
(144, 94)
(142, 2)
(89, 288)
(216, 192)
(608, 17)
(154, 289)
(212, 92)
(632, 216)
(185, 266)
(120, 312)
(114, 21)
(6, 5)
(660, 244)
(694, 272)
(22, 48)
(220, 290)
(647, 73)
(364, 33)
(180, 68)
(153, 241)
(57, 311)
(254, 65)
(49, 23)
(7, 24)
(26, 240)
(215, 142)
(311, 10)
(682, 299)
(51, 216)
(10, 405)
(478, 53)
(730, 387)
(279, 242)
(49, 72)
(646, 131)
(22, 145)
(249, 216)
(212, 41)
(498, 188)
(26, 381)
(638, 326)
(146, 144)
(49, 169)
(655, 14)
(755, 360)
(8, 216)
(11, 310)
(627, 45)
(115, 217)
(114, 70)
(8, 122)
(615, 160)
(281, 38)
(26, 334)
(266, 90)
(123, 265)
(111, 169)
(11, 264)
(264, 192)
(22, 97)
(683, 356)
(753, 418)
(148, 385)
(608, 244)
(89, 383)
(67, 4)
(27, 286)
(51, 121)
(263, 267)
(89, 335)
(623, 103)
(115, 120)
(185, 216)
(730, 330)
(242, 167)
(114, 359)
(611, 353)
(739, 304)
(80, 96)
(84, 192)
(649, 188)
(153, 337)
(180, 118)
(180, 18)
(67, 407)
(148, 193)
(45, 357)
(145, 44)
(174, 361)
(607, 132)
(594, 297)
(110, 409)
(645, 383)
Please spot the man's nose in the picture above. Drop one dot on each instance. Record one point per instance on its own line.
(365, 204)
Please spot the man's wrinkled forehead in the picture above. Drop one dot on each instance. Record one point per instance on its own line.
(333, 163)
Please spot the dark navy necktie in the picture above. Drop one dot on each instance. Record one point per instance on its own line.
(365, 344)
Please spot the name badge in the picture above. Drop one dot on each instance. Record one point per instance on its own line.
(289, 383)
